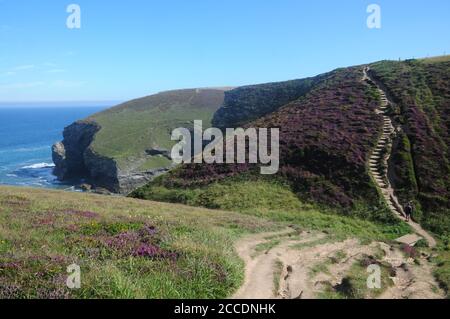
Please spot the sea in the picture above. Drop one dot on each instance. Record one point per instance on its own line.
(27, 134)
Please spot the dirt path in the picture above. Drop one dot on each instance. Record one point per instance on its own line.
(307, 265)
(379, 160)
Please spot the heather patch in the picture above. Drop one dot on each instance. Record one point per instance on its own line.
(104, 228)
(85, 214)
(16, 202)
(141, 243)
(125, 248)
(34, 276)
(409, 251)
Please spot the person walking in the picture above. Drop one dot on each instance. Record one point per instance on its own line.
(409, 210)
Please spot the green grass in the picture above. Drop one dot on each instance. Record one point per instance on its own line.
(437, 59)
(442, 262)
(277, 271)
(319, 268)
(266, 246)
(338, 257)
(128, 130)
(319, 241)
(273, 200)
(42, 232)
(354, 285)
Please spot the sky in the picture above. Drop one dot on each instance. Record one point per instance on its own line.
(133, 48)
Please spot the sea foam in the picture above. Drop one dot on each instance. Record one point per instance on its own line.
(39, 166)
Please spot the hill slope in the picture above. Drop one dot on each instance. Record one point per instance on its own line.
(129, 248)
(327, 135)
(126, 146)
(420, 165)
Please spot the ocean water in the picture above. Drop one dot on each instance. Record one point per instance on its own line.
(26, 138)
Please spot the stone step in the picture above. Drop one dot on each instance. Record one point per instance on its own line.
(376, 155)
(411, 239)
(377, 175)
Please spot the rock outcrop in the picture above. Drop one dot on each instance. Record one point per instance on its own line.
(74, 158)
(68, 155)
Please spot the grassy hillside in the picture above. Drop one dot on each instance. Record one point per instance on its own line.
(421, 160)
(325, 139)
(130, 129)
(128, 248)
(327, 134)
(274, 200)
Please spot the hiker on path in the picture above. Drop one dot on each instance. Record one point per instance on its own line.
(409, 209)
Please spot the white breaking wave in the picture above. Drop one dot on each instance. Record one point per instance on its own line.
(39, 166)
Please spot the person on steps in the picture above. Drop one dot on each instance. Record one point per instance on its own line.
(409, 209)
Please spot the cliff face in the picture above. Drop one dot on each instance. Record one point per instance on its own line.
(68, 155)
(74, 158)
(245, 104)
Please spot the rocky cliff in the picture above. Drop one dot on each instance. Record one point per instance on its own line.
(74, 158)
(125, 147)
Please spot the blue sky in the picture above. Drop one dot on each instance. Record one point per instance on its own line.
(128, 49)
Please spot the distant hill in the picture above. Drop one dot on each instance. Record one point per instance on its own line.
(328, 128)
(123, 147)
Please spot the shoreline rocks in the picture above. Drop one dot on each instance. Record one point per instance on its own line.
(74, 158)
